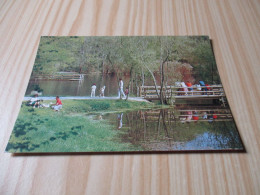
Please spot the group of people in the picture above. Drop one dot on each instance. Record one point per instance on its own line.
(121, 92)
(195, 116)
(35, 102)
(93, 90)
(189, 87)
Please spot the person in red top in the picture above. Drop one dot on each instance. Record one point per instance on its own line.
(58, 104)
(189, 85)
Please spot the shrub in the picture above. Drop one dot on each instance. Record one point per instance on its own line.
(98, 106)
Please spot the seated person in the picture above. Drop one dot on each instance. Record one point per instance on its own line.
(58, 104)
(34, 101)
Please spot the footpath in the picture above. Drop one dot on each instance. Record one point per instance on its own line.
(86, 98)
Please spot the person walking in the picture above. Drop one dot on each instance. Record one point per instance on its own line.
(121, 88)
(93, 90)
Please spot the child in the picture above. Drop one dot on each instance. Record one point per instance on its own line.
(93, 90)
(102, 91)
(126, 93)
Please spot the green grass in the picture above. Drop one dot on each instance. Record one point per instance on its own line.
(103, 106)
(71, 129)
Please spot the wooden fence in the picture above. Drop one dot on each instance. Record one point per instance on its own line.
(213, 92)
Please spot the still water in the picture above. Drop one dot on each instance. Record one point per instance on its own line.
(187, 127)
(164, 130)
(78, 88)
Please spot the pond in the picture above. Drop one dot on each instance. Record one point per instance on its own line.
(177, 129)
(77, 88)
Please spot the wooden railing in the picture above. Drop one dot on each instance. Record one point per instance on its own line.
(213, 91)
(71, 77)
(185, 114)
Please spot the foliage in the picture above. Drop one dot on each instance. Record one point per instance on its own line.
(37, 88)
(101, 106)
(121, 54)
(143, 58)
(70, 130)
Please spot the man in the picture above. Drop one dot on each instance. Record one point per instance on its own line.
(93, 90)
(58, 104)
(121, 90)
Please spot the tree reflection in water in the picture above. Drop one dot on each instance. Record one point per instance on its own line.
(179, 129)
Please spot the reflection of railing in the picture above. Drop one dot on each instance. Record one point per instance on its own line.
(188, 115)
(70, 77)
(194, 92)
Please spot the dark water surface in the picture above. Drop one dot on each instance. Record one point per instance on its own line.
(166, 129)
(79, 88)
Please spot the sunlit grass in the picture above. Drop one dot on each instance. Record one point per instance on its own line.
(71, 129)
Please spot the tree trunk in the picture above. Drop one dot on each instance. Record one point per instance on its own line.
(154, 81)
(162, 82)
(162, 98)
(142, 77)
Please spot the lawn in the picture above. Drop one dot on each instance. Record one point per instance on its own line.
(71, 129)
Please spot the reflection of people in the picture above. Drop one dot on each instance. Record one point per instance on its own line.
(195, 116)
(93, 90)
(189, 117)
(102, 91)
(58, 104)
(121, 86)
(205, 116)
(120, 121)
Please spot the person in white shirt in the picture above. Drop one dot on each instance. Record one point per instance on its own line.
(34, 101)
(102, 91)
(121, 88)
(93, 90)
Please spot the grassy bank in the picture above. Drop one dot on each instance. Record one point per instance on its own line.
(103, 106)
(71, 129)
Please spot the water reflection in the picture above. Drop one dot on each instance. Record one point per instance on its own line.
(182, 128)
(81, 87)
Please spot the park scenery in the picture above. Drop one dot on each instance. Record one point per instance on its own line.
(124, 94)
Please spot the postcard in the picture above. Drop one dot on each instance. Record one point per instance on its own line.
(125, 94)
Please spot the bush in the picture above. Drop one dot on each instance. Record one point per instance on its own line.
(98, 106)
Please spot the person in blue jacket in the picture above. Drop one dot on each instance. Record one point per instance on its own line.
(203, 86)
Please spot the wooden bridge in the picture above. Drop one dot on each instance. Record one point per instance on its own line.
(208, 92)
(61, 77)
